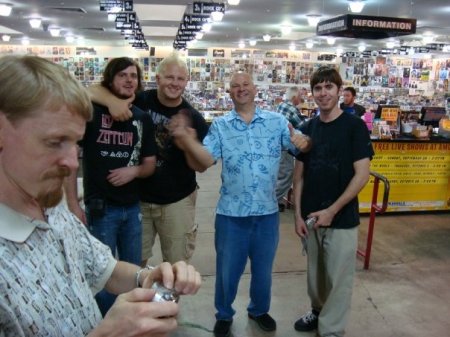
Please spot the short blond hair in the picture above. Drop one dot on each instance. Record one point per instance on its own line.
(31, 83)
(173, 59)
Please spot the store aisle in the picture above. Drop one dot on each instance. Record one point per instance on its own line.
(405, 293)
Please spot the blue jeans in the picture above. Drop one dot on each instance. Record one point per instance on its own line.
(120, 228)
(236, 239)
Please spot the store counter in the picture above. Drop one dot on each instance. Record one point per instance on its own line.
(418, 172)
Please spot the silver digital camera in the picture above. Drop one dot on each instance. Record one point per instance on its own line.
(310, 222)
(163, 294)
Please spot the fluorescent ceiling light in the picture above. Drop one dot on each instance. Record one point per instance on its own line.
(25, 41)
(361, 48)
(241, 45)
(234, 2)
(266, 37)
(217, 16)
(313, 19)
(292, 47)
(331, 40)
(6, 38)
(70, 38)
(252, 43)
(309, 44)
(35, 23)
(5, 9)
(356, 6)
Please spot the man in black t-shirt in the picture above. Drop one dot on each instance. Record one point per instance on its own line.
(169, 195)
(115, 154)
(327, 181)
(349, 105)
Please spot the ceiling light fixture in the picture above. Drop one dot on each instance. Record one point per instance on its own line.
(356, 6)
(313, 19)
(217, 16)
(390, 44)
(70, 38)
(54, 32)
(339, 51)
(252, 43)
(309, 44)
(25, 41)
(234, 2)
(331, 40)
(362, 48)
(428, 38)
(206, 27)
(5, 9)
(35, 23)
(292, 47)
(266, 37)
(241, 45)
(6, 38)
(286, 29)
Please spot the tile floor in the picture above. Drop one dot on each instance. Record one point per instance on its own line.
(405, 292)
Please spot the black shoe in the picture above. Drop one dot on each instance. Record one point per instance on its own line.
(265, 322)
(308, 322)
(222, 328)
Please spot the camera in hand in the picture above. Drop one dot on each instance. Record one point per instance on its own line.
(164, 294)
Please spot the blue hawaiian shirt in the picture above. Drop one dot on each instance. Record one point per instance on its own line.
(250, 155)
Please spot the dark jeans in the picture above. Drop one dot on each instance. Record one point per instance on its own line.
(120, 228)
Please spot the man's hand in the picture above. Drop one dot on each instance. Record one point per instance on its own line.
(120, 109)
(133, 314)
(181, 130)
(300, 141)
(122, 176)
(180, 276)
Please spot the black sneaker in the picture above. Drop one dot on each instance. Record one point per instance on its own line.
(308, 322)
(265, 322)
(222, 328)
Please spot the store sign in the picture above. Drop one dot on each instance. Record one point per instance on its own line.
(366, 27)
(218, 52)
(196, 28)
(126, 17)
(108, 5)
(208, 7)
(195, 19)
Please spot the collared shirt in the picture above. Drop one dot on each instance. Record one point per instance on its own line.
(292, 114)
(50, 272)
(250, 155)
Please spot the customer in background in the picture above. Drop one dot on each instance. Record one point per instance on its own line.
(327, 181)
(169, 195)
(115, 154)
(50, 264)
(248, 141)
(288, 109)
(349, 105)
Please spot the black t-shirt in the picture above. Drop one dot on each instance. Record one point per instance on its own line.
(328, 167)
(355, 109)
(108, 145)
(173, 179)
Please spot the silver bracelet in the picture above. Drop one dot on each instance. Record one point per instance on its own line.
(138, 274)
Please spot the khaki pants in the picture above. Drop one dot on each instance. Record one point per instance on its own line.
(331, 269)
(175, 225)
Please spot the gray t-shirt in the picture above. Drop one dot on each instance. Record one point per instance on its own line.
(50, 272)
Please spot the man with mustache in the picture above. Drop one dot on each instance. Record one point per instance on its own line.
(50, 264)
(115, 154)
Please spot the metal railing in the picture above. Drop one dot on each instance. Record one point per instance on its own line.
(374, 210)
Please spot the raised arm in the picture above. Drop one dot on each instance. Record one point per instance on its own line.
(118, 108)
